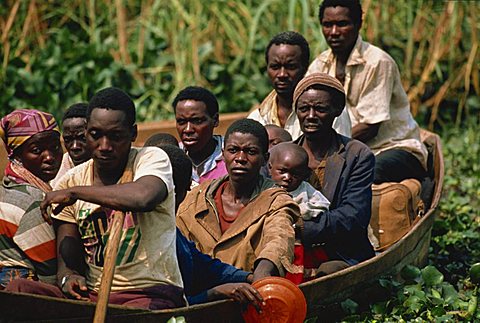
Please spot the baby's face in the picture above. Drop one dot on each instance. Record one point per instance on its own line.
(287, 171)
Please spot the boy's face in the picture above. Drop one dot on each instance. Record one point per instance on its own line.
(274, 136)
(287, 171)
(109, 138)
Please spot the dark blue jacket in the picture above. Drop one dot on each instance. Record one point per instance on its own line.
(342, 230)
(201, 272)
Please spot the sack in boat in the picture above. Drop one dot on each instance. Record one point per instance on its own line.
(396, 207)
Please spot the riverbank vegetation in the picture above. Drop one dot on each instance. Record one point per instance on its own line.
(55, 53)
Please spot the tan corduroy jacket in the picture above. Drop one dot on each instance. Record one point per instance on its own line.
(262, 230)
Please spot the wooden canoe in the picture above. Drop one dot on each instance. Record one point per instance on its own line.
(320, 293)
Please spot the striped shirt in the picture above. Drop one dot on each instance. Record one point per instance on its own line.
(26, 240)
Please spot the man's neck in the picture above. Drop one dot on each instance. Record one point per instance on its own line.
(321, 143)
(241, 191)
(104, 177)
(203, 154)
(343, 56)
(285, 101)
(284, 108)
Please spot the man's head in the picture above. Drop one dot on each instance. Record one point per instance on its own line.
(160, 139)
(246, 150)
(111, 128)
(196, 114)
(341, 21)
(288, 165)
(318, 99)
(181, 169)
(74, 124)
(287, 57)
(276, 135)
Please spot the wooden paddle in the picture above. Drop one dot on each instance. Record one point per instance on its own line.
(109, 267)
(111, 251)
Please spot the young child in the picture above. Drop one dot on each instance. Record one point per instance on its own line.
(288, 166)
(276, 135)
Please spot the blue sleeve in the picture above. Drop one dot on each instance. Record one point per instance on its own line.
(201, 272)
(198, 299)
(353, 211)
(214, 272)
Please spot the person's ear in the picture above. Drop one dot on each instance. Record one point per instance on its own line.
(215, 120)
(339, 111)
(134, 132)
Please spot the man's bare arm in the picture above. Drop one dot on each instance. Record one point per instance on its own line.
(70, 260)
(140, 196)
(364, 132)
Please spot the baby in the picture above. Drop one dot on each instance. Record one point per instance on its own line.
(288, 167)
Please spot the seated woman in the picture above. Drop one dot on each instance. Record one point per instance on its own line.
(242, 219)
(342, 169)
(27, 242)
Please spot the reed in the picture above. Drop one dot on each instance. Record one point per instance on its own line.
(153, 48)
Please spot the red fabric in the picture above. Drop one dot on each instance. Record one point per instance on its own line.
(225, 222)
(9, 172)
(315, 257)
(308, 259)
(298, 260)
(153, 298)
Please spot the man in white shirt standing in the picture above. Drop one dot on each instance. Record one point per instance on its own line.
(376, 101)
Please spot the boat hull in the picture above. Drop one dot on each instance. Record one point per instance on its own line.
(319, 293)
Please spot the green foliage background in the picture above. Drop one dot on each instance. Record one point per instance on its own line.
(55, 53)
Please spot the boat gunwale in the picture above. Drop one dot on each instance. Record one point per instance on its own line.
(421, 228)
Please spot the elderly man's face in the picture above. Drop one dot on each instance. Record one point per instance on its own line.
(316, 111)
(338, 29)
(285, 67)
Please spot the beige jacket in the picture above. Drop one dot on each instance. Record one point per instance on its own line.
(262, 230)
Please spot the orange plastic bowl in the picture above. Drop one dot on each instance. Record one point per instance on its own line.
(284, 302)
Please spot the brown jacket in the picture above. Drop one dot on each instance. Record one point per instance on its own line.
(262, 230)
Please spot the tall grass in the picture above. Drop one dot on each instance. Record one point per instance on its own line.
(55, 53)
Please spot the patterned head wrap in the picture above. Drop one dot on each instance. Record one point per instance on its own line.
(318, 79)
(20, 125)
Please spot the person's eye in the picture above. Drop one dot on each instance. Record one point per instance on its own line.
(302, 109)
(232, 150)
(291, 66)
(274, 66)
(197, 121)
(67, 140)
(343, 23)
(115, 137)
(94, 134)
(35, 150)
(327, 24)
(322, 109)
(181, 122)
